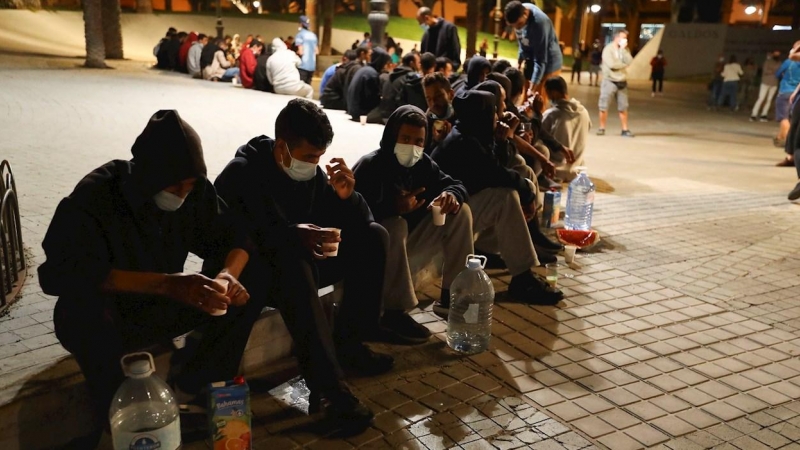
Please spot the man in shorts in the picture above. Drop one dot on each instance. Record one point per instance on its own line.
(595, 59)
(788, 75)
(616, 59)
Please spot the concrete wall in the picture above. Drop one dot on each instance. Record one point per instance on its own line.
(691, 49)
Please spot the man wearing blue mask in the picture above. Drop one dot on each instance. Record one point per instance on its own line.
(116, 250)
(440, 37)
(402, 185)
(294, 210)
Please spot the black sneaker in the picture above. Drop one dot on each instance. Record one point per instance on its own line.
(359, 358)
(534, 290)
(442, 307)
(545, 256)
(540, 239)
(342, 409)
(601, 131)
(626, 133)
(795, 194)
(407, 330)
(753, 118)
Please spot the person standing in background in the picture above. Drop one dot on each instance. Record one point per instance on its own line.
(769, 85)
(616, 59)
(440, 38)
(789, 76)
(595, 59)
(577, 66)
(308, 49)
(731, 73)
(715, 86)
(657, 65)
(747, 83)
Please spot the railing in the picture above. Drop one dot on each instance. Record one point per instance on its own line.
(12, 252)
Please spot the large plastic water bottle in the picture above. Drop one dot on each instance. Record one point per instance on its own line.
(469, 322)
(580, 201)
(144, 413)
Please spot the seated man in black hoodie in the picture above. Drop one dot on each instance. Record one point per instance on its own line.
(502, 201)
(115, 252)
(477, 70)
(276, 188)
(441, 116)
(400, 184)
(364, 92)
(334, 96)
(400, 76)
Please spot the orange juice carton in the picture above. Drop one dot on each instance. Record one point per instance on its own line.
(229, 415)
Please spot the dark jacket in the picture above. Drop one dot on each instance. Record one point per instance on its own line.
(364, 92)
(168, 54)
(334, 96)
(380, 178)
(391, 91)
(110, 221)
(477, 65)
(413, 93)
(469, 153)
(207, 55)
(260, 79)
(270, 205)
(442, 40)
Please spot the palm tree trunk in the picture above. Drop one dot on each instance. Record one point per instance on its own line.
(93, 29)
(473, 12)
(112, 29)
(328, 10)
(168, 5)
(144, 6)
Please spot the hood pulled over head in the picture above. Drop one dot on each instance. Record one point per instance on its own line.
(402, 115)
(477, 65)
(379, 59)
(476, 115)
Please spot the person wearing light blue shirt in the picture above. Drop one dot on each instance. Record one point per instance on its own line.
(538, 44)
(308, 49)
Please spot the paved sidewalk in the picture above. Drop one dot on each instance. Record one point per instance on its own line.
(679, 329)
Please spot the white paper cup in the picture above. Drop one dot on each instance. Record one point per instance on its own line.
(332, 249)
(220, 312)
(438, 217)
(569, 253)
(363, 120)
(438, 125)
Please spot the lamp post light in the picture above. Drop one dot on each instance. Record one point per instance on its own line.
(378, 19)
(595, 8)
(498, 18)
(750, 10)
(220, 28)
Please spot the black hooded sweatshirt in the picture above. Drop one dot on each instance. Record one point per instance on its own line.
(334, 96)
(442, 40)
(260, 80)
(469, 152)
(110, 220)
(380, 177)
(364, 92)
(391, 92)
(270, 205)
(504, 153)
(477, 65)
(207, 55)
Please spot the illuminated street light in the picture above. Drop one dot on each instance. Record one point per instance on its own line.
(256, 4)
(750, 10)
(595, 8)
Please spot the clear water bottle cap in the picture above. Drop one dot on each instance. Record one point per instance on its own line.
(140, 368)
(475, 262)
(581, 169)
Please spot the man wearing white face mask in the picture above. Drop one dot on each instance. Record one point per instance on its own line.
(616, 59)
(277, 189)
(115, 258)
(401, 184)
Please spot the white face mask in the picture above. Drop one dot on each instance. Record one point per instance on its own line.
(408, 154)
(623, 43)
(167, 201)
(299, 170)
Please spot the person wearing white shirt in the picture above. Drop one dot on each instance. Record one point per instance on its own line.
(730, 83)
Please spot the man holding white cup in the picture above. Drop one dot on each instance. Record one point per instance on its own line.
(410, 196)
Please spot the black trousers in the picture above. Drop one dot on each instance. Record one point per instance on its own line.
(306, 75)
(658, 77)
(99, 332)
(289, 280)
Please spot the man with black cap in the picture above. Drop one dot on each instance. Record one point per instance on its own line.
(116, 249)
(297, 214)
(308, 49)
(364, 92)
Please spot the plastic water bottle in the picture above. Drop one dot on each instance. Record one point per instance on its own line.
(144, 413)
(469, 322)
(580, 201)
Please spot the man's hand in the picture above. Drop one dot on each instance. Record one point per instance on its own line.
(448, 202)
(312, 237)
(529, 211)
(511, 120)
(568, 155)
(537, 103)
(197, 290)
(408, 202)
(443, 131)
(502, 132)
(236, 292)
(548, 168)
(341, 178)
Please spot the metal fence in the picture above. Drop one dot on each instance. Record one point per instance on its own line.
(12, 252)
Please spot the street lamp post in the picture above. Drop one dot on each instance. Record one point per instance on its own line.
(498, 17)
(378, 19)
(220, 28)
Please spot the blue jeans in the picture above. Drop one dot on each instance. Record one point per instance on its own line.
(230, 74)
(729, 90)
(714, 91)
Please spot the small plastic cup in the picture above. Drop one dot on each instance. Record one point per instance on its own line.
(363, 120)
(331, 249)
(220, 312)
(438, 217)
(569, 253)
(552, 274)
(438, 125)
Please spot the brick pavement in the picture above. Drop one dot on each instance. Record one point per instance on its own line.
(678, 331)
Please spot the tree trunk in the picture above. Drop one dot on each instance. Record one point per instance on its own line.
(112, 29)
(473, 11)
(144, 6)
(394, 8)
(93, 29)
(328, 10)
(311, 13)
(579, 12)
(167, 5)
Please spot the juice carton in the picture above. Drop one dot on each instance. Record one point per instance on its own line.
(551, 209)
(229, 415)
